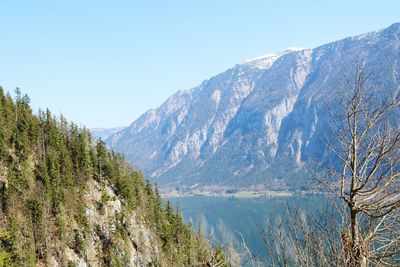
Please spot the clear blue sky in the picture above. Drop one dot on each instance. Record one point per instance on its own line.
(104, 63)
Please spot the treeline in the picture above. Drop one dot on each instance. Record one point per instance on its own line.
(46, 164)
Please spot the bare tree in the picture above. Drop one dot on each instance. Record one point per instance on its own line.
(366, 142)
(369, 182)
(307, 240)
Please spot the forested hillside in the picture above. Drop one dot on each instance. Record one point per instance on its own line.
(64, 202)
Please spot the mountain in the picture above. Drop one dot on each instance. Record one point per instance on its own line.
(104, 133)
(259, 122)
(64, 202)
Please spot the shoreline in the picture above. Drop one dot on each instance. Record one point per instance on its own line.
(244, 194)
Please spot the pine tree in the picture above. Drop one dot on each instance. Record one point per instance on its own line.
(46, 167)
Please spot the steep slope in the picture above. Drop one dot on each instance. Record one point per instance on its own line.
(66, 203)
(259, 122)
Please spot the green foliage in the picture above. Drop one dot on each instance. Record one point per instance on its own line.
(45, 167)
(6, 249)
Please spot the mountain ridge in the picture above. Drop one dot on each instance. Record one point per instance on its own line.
(254, 124)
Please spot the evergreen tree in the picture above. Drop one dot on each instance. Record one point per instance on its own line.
(46, 168)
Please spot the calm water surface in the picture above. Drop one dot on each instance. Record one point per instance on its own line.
(228, 219)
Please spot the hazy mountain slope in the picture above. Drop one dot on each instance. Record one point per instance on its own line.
(104, 133)
(260, 120)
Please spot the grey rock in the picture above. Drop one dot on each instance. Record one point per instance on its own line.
(260, 120)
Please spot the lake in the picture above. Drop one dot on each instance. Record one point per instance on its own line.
(227, 220)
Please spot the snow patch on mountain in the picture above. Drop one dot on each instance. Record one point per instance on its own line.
(266, 61)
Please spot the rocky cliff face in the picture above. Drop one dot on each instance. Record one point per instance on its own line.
(138, 248)
(260, 120)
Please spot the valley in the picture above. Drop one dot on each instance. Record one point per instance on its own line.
(200, 133)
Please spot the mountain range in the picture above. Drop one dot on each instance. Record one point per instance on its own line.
(260, 122)
(104, 133)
